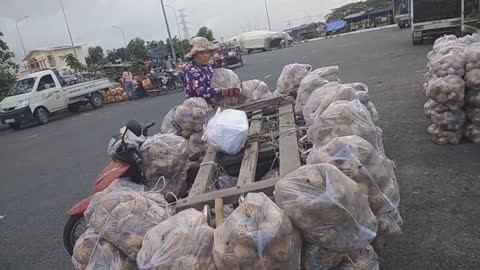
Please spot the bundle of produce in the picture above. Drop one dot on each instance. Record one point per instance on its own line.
(118, 98)
(472, 98)
(433, 107)
(225, 78)
(449, 120)
(472, 79)
(256, 235)
(473, 114)
(183, 241)
(196, 147)
(450, 64)
(168, 124)
(441, 136)
(110, 99)
(326, 95)
(472, 132)
(124, 212)
(91, 252)
(290, 78)
(191, 116)
(449, 88)
(329, 208)
(472, 56)
(442, 41)
(344, 118)
(362, 259)
(147, 84)
(255, 90)
(315, 257)
(470, 39)
(374, 173)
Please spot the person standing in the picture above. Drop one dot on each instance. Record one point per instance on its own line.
(198, 73)
(128, 82)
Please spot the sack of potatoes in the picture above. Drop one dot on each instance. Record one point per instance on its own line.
(447, 89)
(472, 132)
(472, 79)
(191, 116)
(441, 136)
(254, 90)
(225, 78)
(449, 120)
(433, 107)
(291, 76)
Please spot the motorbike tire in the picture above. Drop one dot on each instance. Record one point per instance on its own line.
(75, 226)
(179, 85)
(170, 85)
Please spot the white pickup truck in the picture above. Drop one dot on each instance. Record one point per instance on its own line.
(40, 94)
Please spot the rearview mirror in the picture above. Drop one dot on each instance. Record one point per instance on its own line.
(135, 127)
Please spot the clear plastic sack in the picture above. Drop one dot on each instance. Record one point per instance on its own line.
(433, 107)
(373, 111)
(91, 253)
(168, 125)
(291, 76)
(374, 173)
(329, 208)
(225, 78)
(362, 259)
(473, 114)
(472, 132)
(183, 241)
(191, 116)
(323, 97)
(452, 63)
(310, 83)
(344, 118)
(255, 90)
(197, 147)
(449, 120)
(227, 131)
(470, 39)
(472, 56)
(315, 257)
(440, 136)
(163, 155)
(257, 235)
(450, 88)
(472, 98)
(123, 213)
(472, 79)
(442, 41)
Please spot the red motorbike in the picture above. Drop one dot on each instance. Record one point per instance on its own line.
(123, 149)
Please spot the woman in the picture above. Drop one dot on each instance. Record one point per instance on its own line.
(128, 82)
(198, 73)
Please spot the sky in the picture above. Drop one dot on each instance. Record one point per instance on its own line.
(91, 21)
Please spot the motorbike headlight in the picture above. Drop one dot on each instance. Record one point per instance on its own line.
(23, 103)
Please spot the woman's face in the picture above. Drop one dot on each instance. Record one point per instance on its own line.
(202, 58)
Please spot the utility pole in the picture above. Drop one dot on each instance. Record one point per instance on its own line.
(289, 24)
(184, 23)
(268, 16)
(123, 34)
(20, 36)
(174, 55)
(178, 27)
(68, 29)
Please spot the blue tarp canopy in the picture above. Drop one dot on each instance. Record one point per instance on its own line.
(336, 25)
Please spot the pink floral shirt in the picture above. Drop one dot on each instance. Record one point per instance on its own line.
(197, 81)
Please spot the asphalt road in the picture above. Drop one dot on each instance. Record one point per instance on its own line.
(46, 169)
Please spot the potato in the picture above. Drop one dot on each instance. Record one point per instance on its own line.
(448, 61)
(191, 116)
(472, 132)
(291, 76)
(92, 252)
(472, 98)
(363, 259)
(183, 241)
(450, 88)
(440, 136)
(449, 120)
(329, 208)
(255, 90)
(344, 118)
(225, 78)
(256, 235)
(472, 79)
(433, 107)
(124, 213)
(315, 257)
(473, 114)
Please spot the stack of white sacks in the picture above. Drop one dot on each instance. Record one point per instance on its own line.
(452, 62)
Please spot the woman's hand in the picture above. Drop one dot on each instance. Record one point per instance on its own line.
(231, 92)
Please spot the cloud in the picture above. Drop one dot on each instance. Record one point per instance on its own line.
(91, 20)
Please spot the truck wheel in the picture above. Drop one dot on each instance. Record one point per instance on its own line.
(41, 115)
(73, 108)
(417, 42)
(15, 126)
(96, 100)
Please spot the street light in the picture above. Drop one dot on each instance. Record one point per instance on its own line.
(20, 36)
(123, 34)
(68, 29)
(169, 34)
(179, 33)
(268, 16)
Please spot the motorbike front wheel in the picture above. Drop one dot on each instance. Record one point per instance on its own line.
(179, 84)
(74, 228)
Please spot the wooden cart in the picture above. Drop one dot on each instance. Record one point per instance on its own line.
(255, 151)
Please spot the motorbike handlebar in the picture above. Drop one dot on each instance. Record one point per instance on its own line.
(147, 126)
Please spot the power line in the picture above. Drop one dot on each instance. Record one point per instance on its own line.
(184, 22)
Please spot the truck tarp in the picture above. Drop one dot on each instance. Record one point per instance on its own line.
(435, 10)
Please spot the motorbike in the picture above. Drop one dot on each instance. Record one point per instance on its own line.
(167, 79)
(126, 161)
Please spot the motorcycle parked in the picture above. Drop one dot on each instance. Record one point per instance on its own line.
(123, 149)
(168, 79)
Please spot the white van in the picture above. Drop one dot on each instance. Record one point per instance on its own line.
(39, 94)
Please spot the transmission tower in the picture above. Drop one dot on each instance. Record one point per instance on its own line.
(184, 22)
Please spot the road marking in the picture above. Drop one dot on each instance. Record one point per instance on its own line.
(303, 57)
(372, 78)
(420, 71)
(86, 114)
(268, 76)
(34, 135)
(2, 217)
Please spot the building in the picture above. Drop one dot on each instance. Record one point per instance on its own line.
(369, 18)
(307, 31)
(53, 58)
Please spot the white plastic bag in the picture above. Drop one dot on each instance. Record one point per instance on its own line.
(227, 131)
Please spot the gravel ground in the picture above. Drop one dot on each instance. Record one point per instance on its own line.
(46, 169)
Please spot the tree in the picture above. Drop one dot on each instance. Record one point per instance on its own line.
(117, 54)
(206, 33)
(74, 64)
(137, 48)
(7, 67)
(95, 59)
(348, 9)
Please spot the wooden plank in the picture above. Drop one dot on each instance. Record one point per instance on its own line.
(263, 104)
(218, 211)
(250, 156)
(205, 173)
(288, 141)
(229, 195)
